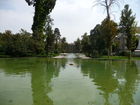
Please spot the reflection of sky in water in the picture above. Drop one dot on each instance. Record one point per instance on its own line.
(15, 89)
(42, 81)
(122, 81)
(71, 88)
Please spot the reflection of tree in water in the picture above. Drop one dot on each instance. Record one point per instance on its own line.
(128, 88)
(77, 62)
(42, 71)
(106, 75)
(41, 79)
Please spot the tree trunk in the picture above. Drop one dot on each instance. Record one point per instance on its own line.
(108, 53)
(130, 54)
(108, 15)
(111, 50)
(107, 9)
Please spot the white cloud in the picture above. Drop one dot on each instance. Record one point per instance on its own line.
(76, 18)
(73, 17)
(14, 15)
(11, 20)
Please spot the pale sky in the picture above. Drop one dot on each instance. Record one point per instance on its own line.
(72, 17)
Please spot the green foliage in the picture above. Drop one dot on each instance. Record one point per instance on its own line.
(50, 37)
(42, 10)
(23, 44)
(128, 28)
(70, 48)
(85, 44)
(100, 40)
(57, 40)
(97, 42)
(53, 44)
(77, 45)
(16, 44)
(38, 47)
(64, 45)
(26, 44)
(109, 31)
(115, 47)
(135, 42)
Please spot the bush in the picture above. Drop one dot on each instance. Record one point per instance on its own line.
(17, 45)
(123, 53)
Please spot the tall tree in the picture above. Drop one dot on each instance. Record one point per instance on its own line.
(63, 45)
(128, 28)
(85, 43)
(107, 4)
(57, 39)
(50, 37)
(77, 44)
(97, 41)
(109, 27)
(109, 30)
(42, 10)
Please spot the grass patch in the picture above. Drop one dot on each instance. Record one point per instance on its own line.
(40, 55)
(117, 58)
(5, 56)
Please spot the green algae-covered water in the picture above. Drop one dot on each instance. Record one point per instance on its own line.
(69, 81)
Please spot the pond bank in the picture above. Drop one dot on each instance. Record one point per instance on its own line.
(77, 55)
(82, 56)
(117, 58)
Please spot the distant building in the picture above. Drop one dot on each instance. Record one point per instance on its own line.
(138, 36)
(121, 38)
(137, 51)
(122, 43)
